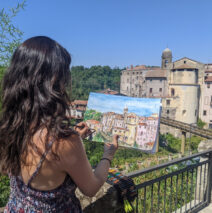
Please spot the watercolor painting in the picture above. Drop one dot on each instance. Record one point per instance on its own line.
(135, 120)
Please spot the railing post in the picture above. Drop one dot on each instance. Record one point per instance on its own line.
(209, 183)
(183, 142)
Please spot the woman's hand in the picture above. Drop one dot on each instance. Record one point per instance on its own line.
(83, 129)
(110, 148)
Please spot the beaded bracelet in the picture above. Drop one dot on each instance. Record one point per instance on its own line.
(107, 160)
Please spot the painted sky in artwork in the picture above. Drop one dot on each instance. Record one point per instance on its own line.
(114, 103)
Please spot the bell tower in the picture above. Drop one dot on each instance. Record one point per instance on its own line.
(166, 58)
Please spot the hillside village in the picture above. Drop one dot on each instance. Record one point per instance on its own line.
(134, 131)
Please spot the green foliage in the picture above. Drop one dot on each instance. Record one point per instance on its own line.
(200, 123)
(10, 35)
(92, 115)
(4, 190)
(98, 137)
(195, 140)
(173, 145)
(95, 78)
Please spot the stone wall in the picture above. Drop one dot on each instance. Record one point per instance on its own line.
(105, 201)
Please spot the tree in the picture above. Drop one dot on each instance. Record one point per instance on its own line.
(10, 35)
(200, 123)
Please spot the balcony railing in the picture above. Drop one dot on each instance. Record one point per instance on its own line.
(182, 185)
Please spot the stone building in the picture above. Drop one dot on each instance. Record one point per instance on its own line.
(156, 83)
(206, 103)
(77, 109)
(181, 85)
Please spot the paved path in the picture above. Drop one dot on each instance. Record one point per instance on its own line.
(208, 209)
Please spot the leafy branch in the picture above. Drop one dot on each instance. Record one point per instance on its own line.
(10, 35)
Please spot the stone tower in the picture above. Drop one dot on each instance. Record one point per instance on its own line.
(166, 58)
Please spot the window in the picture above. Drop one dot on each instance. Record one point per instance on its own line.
(172, 92)
(127, 88)
(184, 62)
(133, 73)
(137, 77)
(184, 112)
(195, 112)
(127, 80)
(167, 111)
(204, 112)
(150, 79)
(208, 85)
(168, 102)
(137, 73)
(160, 89)
(160, 80)
(150, 90)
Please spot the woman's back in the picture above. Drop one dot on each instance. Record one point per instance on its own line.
(41, 186)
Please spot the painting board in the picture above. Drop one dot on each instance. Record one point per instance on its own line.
(135, 120)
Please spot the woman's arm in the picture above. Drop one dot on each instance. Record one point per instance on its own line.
(75, 162)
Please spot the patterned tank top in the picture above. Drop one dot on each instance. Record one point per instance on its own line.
(25, 199)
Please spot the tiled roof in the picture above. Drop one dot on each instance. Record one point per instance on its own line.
(81, 108)
(119, 116)
(184, 66)
(79, 102)
(140, 67)
(109, 92)
(158, 73)
(93, 121)
(208, 79)
(142, 124)
(119, 128)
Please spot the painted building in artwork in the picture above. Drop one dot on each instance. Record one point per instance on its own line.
(96, 125)
(129, 127)
(131, 121)
(147, 132)
(108, 121)
(141, 133)
(121, 132)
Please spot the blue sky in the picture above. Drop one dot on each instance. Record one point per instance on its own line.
(113, 103)
(121, 32)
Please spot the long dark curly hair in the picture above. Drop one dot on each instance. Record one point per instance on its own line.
(33, 98)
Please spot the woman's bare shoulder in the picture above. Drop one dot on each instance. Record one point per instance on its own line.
(69, 149)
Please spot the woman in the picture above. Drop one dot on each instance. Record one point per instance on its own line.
(44, 157)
